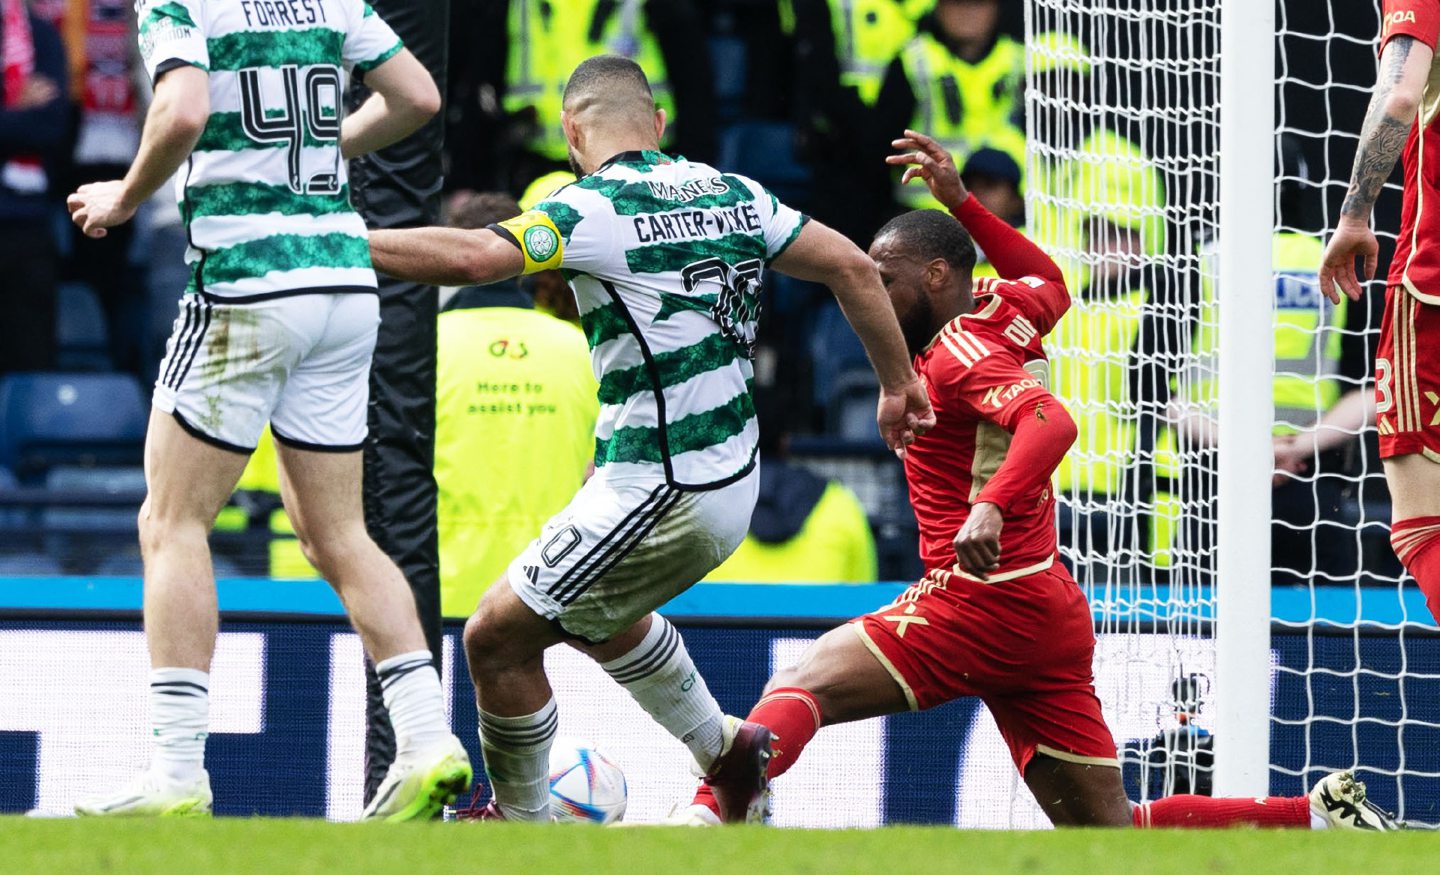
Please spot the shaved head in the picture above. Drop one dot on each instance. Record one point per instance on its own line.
(614, 86)
(929, 234)
(608, 109)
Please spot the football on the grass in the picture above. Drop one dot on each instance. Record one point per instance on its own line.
(585, 787)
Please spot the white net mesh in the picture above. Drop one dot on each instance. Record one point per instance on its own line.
(1124, 137)
(1357, 673)
(1122, 186)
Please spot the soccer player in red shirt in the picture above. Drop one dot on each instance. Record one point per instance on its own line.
(996, 614)
(1407, 385)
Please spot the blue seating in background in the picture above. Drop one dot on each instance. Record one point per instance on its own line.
(128, 483)
(835, 350)
(27, 564)
(80, 329)
(70, 419)
(765, 152)
(729, 59)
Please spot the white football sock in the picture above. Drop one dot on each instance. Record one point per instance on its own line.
(411, 689)
(662, 677)
(517, 759)
(180, 716)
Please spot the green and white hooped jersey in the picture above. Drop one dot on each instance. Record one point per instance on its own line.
(264, 194)
(665, 257)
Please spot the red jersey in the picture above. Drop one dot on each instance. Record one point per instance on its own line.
(1417, 251)
(984, 372)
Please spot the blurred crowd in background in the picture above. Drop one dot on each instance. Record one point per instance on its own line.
(802, 95)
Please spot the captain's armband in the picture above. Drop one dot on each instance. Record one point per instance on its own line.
(536, 236)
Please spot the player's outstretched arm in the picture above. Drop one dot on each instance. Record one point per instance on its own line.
(1012, 254)
(404, 99)
(823, 255)
(173, 125)
(1404, 69)
(445, 256)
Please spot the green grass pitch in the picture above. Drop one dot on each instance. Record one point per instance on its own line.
(272, 847)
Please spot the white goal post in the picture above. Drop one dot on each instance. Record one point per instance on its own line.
(1246, 409)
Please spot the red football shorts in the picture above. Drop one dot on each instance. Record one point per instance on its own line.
(1024, 646)
(1407, 377)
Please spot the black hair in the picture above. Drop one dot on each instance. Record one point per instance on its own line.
(602, 72)
(484, 209)
(930, 234)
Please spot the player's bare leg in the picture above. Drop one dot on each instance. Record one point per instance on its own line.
(1414, 483)
(1078, 794)
(322, 493)
(187, 482)
(837, 680)
(505, 644)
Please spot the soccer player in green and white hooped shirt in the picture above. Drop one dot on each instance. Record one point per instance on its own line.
(665, 257)
(278, 324)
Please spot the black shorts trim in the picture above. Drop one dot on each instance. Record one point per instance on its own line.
(719, 484)
(212, 441)
(581, 566)
(287, 293)
(198, 340)
(617, 554)
(315, 448)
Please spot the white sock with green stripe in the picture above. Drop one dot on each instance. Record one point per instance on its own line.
(180, 721)
(662, 677)
(517, 760)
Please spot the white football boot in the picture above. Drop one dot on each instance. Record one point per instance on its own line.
(150, 795)
(689, 814)
(1340, 800)
(420, 784)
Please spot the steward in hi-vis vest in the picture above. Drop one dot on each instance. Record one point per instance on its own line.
(961, 80)
(548, 38)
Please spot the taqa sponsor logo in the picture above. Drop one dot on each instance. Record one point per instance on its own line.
(1399, 16)
(996, 396)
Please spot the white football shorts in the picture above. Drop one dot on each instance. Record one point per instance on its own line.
(621, 549)
(300, 363)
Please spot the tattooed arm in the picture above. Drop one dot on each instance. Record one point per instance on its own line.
(1404, 69)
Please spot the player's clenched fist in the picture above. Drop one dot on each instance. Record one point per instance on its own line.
(977, 546)
(904, 415)
(98, 206)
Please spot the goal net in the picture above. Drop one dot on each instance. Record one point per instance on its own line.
(1123, 188)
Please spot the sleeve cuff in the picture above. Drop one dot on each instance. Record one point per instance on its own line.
(169, 64)
(363, 67)
(794, 235)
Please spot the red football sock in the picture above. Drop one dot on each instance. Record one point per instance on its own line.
(1415, 542)
(1204, 812)
(793, 717)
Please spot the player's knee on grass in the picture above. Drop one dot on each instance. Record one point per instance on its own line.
(1078, 794)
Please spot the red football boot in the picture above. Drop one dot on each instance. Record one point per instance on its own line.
(738, 776)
